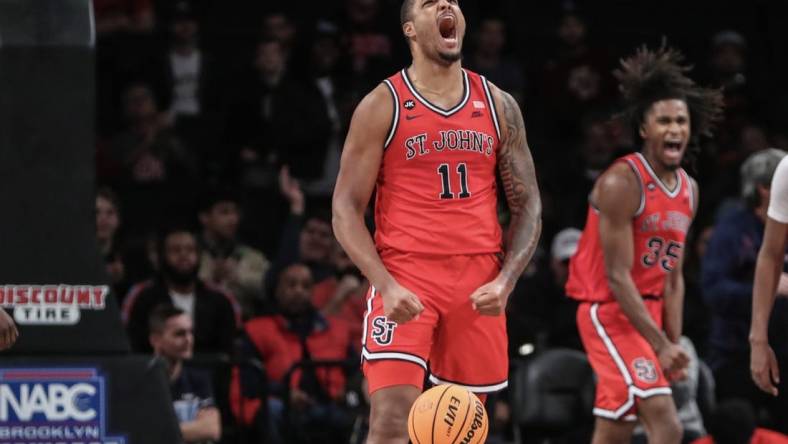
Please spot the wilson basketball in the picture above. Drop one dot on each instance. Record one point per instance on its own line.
(447, 414)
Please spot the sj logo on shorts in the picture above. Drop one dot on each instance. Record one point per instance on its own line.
(382, 330)
(645, 370)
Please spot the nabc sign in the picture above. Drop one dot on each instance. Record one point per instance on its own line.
(62, 405)
(48, 401)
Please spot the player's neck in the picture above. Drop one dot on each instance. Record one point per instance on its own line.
(435, 78)
(666, 175)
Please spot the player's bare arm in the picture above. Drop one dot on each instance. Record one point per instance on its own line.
(516, 167)
(673, 311)
(361, 157)
(768, 268)
(8, 331)
(617, 197)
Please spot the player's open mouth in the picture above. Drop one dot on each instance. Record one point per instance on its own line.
(672, 148)
(447, 25)
(672, 145)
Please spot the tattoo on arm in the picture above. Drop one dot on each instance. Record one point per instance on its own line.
(518, 176)
(512, 174)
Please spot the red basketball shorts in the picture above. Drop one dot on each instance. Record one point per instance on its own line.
(626, 366)
(449, 340)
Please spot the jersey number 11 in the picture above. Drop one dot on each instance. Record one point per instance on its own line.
(462, 171)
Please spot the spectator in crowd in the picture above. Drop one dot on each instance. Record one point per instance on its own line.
(107, 224)
(123, 16)
(368, 41)
(727, 280)
(215, 314)
(154, 169)
(733, 422)
(297, 333)
(107, 220)
(685, 395)
(226, 263)
(147, 151)
(274, 121)
(577, 77)
(729, 59)
(278, 26)
(124, 38)
(488, 58)
(573, 181)
(307, 237)
(346, 298)
(327, 81)
(186, 70)
(172, 340)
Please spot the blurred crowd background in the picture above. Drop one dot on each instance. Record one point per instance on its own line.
(219, 131)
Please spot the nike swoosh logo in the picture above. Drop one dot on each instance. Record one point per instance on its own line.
(412, 117)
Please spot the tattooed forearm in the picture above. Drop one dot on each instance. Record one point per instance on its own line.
(518, 176)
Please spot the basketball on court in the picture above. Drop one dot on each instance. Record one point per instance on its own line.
(447, 414)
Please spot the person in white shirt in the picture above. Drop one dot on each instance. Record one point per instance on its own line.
(769, 277)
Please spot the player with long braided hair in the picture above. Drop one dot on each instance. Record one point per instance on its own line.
(627, 272)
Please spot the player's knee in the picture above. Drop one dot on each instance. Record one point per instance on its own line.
(388, 421)
(673, 431)
(668, 430)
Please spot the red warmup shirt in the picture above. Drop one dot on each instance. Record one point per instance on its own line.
(659, 229)
(436, 191)
(280, 348)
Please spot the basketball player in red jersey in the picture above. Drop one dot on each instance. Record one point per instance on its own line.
(430, 139)
(627, 271)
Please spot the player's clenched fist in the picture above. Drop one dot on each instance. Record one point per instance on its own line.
(400, 304)
(490, 299)
(673, 359)
(8, 331)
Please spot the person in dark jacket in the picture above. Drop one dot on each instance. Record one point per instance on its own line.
(727, 282)
(215, 314)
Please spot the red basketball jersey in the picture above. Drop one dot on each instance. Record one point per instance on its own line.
(659, 228)
(436, 191)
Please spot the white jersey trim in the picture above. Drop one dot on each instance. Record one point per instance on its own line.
(671, 193)
(473, 388)
(642, 205)
(441, 111)
(493, 111)
(374, 356)
(395, 116)
(691, 191)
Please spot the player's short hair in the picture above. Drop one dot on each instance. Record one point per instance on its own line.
(160, 315)
(650, 76)
(406, 12)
